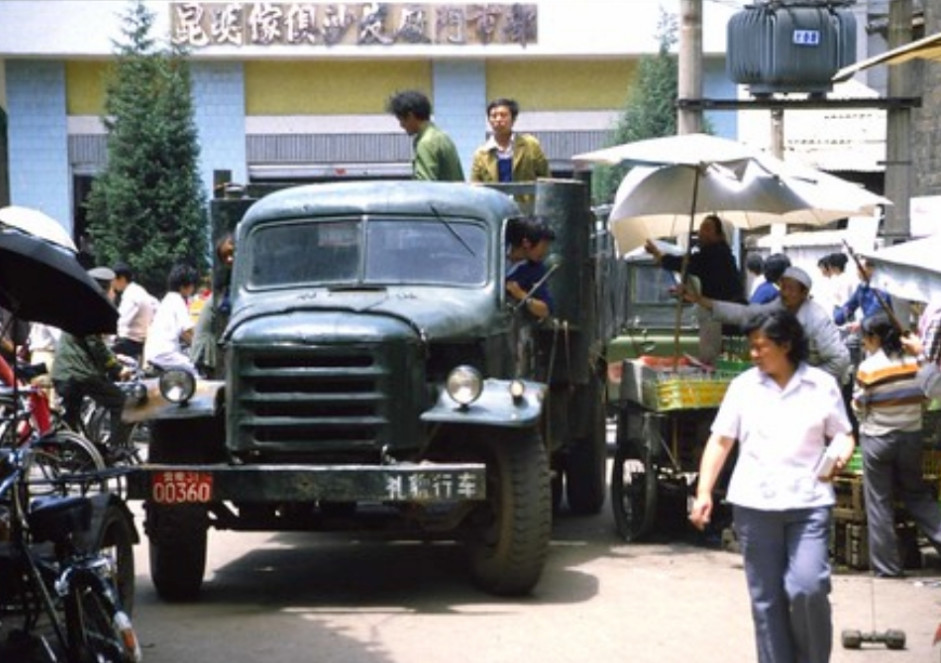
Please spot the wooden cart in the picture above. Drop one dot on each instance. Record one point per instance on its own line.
(664, 413)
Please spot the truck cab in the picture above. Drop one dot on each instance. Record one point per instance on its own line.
(372, 380)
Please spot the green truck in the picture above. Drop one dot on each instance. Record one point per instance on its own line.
(376, 378)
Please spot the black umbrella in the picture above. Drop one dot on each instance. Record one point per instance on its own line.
(42, 282)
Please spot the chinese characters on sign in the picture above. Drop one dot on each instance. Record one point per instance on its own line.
(420, 487)
(206, 24)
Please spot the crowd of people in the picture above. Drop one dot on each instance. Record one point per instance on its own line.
(832, 367)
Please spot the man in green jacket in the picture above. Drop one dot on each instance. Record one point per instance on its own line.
(84, 366)
(435, 155)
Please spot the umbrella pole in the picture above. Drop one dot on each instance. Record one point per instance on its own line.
(683, 268)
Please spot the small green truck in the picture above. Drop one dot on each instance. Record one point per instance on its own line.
(374, 381)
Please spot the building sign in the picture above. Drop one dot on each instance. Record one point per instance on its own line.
(206, 24)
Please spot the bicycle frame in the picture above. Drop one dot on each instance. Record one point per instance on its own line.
(52, 581)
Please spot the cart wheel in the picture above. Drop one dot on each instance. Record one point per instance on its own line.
(633, 494)
(851, 639)
(895, 639)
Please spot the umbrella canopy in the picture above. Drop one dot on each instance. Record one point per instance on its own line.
(655, 202)
(36, 223)
(687, 149)
(42, 282)
(909, 270)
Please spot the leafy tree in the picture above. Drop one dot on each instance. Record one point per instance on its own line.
(651, 106)
(148, 207)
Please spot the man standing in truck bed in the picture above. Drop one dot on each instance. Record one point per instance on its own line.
(435, 155)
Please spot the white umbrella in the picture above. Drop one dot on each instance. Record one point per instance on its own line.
(34, 222)
(687, 149)
(909, 270)
(654, 202)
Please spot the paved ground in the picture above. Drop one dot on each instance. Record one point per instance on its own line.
(300, 597)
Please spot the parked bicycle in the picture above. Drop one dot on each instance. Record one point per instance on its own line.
(66, 562)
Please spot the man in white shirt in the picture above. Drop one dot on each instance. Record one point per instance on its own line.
(136, 310)
(172, 326)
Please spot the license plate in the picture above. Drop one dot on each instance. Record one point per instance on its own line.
(174, 487)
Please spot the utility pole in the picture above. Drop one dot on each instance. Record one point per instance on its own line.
(689, 84)
(898, 146)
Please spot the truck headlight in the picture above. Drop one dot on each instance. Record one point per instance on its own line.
(177, 385)
(464, 385)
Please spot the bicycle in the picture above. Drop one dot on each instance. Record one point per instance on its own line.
(95, 421)
(52, 563)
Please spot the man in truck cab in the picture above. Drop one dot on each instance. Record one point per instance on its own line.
(529, 241)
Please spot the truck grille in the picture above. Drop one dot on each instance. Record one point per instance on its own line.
(320, 400)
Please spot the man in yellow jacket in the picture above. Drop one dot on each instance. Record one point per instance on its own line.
(508, 156)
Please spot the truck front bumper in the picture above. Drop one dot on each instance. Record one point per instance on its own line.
(425, 483)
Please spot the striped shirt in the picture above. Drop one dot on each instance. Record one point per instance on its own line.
(888, 396)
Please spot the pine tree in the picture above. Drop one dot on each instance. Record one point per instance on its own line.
(651, 106)
(148, 208)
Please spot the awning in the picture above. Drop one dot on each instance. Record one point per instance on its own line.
(928, 48)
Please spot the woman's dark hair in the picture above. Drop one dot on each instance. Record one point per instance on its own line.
(716, 224)
(775, 264)
(181, 276)
(510, 104)
(879, 325)
(754, 263)
(838, 260)
(781, 327)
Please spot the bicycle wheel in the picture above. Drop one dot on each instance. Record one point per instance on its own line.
(125, 452)
(98, 630)
(62, 455)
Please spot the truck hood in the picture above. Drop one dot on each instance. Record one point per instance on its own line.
(323, 315)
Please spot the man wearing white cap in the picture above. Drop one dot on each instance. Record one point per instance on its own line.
(84, 366)
(827, 349)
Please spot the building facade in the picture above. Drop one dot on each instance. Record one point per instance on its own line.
(297, 91)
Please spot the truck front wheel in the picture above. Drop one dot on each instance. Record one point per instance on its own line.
(178, 538)
(509, 537)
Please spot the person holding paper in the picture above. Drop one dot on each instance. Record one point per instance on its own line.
(786, 416)
(888, 400)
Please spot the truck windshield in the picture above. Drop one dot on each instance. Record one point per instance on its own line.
(372, 251)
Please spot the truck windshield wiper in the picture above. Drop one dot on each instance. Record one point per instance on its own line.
(452, 230)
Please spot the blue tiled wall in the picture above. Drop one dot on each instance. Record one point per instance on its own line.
(718, 85)
(460, 105)
(38, 138)
(219, 103)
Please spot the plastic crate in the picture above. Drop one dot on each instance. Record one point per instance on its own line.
(686, 392)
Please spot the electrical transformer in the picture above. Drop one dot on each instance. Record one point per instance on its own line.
(779, 46)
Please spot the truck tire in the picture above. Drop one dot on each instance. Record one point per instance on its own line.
(585, 480)
(178, 538)
(633, 491)
(509, 537)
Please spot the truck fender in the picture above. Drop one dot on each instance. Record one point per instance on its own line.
(206, 402)
(495, 407)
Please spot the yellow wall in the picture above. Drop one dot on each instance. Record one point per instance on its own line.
(329, 88)
(85, 86)
(561, 85)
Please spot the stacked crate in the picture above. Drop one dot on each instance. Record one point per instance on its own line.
(849, 542)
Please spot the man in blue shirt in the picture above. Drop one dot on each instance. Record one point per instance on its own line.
(865, 297)
(534, 239)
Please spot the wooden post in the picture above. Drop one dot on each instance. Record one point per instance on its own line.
(898, 147)
(689, 120)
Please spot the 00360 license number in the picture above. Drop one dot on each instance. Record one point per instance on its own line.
(181, 487)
